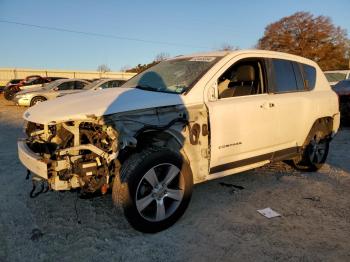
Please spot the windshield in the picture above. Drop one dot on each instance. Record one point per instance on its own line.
(173, 76)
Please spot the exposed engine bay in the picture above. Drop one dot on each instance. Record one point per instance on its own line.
(85, 154)
(78, 154)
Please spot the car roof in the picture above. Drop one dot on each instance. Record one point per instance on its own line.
(70, 80)
(256, 52)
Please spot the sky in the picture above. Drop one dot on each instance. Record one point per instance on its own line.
(126, 33)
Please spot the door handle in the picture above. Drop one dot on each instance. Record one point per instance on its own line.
(267, 105)
(263, 106)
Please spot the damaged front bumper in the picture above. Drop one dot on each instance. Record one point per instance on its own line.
(70, 155)
(36, 164)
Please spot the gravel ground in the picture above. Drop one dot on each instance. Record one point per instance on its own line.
(221, 223)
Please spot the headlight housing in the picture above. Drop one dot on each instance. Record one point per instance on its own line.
(22, 96)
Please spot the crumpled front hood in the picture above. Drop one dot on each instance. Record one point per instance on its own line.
(98, 103)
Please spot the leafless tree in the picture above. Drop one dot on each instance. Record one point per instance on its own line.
(228, 47)
(161, 57)
(125, 68)
(103, 68)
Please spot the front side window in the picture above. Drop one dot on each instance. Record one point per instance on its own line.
(173, 76)
(117, 83)
(243, 78)
(108, 84)
(66, 86)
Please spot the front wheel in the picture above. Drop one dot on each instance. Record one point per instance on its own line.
(36, 100)
(153, 189)
(314, 155)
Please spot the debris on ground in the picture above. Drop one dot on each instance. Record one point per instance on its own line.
(268, 212)
(314, 198)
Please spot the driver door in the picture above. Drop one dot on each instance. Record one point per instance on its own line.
(241, 124)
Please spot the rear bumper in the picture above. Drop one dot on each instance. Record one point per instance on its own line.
(336, 122)
(31, 161)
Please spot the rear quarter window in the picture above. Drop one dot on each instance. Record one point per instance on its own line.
(309, 74)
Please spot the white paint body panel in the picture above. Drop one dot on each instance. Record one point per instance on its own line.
(240, 128)
(98, 103)
(245, 121)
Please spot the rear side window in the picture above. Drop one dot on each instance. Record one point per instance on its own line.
(309, 73)
(79, 85)
(66, 86)
(298, 76)
(285, 80)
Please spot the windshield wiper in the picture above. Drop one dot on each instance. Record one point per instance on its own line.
(155, 89)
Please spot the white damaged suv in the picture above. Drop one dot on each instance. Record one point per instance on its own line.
(186, 120)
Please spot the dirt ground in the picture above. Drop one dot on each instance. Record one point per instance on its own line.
(221, 223)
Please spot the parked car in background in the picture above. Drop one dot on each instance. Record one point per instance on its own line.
(97, 85)
(10, 83)
(343, 91)
(185, 120)
(335, 76)
(52, 90)
(104, 84)
(29, 82)
(13, 82)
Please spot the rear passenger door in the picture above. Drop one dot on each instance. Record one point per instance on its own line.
(289, 100)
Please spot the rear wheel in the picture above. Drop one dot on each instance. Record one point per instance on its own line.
(37, 100)
(153, 189)
(9, 93)
(314, 154)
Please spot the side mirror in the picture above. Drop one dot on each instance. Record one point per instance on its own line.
(55, 89)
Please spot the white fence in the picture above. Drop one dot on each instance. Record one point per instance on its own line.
(6, 74)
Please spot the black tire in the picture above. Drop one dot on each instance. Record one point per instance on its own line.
(9, 93)
(146, 202)
(314, 154)
(37, 99)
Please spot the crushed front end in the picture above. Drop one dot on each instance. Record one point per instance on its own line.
(73, 154)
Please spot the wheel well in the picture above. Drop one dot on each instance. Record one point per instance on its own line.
(35, 97)
(150, 138)
(323, 126)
